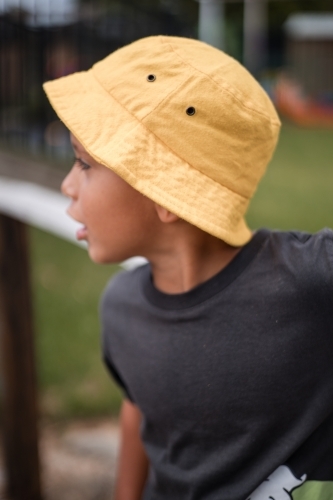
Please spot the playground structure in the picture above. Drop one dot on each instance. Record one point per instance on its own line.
(304, 92)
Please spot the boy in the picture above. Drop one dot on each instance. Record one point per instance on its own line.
(223, 342)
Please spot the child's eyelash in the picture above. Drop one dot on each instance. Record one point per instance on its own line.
(82, 164)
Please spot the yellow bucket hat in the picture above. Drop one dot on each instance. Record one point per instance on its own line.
(181, 122)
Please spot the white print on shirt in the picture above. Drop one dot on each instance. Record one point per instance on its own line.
(278, 486)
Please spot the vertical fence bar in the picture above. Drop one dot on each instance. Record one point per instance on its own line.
(255, 35)
(211, 22)
(18, 364)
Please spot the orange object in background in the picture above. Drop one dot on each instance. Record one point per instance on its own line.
(305, 93)
(292, 103)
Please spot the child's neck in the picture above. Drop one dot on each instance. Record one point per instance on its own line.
(185, 262)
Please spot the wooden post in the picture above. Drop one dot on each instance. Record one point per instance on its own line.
(19, 400)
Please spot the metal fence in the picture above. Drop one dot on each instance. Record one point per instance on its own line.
(41, 45)
(35, 49)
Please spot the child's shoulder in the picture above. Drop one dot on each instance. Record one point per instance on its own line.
(306, 259)
(300, 257)
(303, 244)
(303, 236)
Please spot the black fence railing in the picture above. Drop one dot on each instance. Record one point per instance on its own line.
(31, 53)
(35, 47)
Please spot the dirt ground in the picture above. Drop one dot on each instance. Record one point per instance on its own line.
(78, 460)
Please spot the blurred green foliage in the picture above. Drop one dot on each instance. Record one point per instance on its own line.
(67, 286)
(296, 193)
(297, 190)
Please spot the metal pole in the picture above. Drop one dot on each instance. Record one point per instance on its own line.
(255, 35)
(211, 22)
(18, 364)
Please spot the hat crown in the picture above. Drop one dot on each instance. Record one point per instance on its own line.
(234, 130)
(172, 58)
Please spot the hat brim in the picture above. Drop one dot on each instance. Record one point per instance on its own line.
(118, 140)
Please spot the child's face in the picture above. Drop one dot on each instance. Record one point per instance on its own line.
(117, 220)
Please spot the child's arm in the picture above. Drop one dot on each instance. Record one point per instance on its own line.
(133, 462)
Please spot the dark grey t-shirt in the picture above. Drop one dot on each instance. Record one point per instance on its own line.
(234, 378)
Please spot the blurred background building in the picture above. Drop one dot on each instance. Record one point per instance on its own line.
(305, 92)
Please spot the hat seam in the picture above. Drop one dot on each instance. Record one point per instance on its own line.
(177, 205)
(161, 141)
(164, 193)
(226, 88)
(213, 228)
(155, 188)
(110, 92)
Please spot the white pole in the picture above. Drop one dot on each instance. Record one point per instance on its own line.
(255, 35)
(211, 22)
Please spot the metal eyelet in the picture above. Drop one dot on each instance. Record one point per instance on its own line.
(151, 78)
(190, 111)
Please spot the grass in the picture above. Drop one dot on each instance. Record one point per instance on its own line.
(297, 190)
(67, 286)
(295, 193)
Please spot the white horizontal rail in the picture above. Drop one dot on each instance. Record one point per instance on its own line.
(46, 209)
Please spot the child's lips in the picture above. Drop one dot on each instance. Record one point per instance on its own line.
(82, 233)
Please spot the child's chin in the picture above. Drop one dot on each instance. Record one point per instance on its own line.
(101, 257)
(97, 256)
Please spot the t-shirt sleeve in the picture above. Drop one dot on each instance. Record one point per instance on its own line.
(108, 327)
(116, 377)
(329, 248)
(329, 253)
(317, 270)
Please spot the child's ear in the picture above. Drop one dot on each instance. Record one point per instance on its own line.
(164, 215)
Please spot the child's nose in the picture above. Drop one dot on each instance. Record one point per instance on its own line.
(68, 185)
